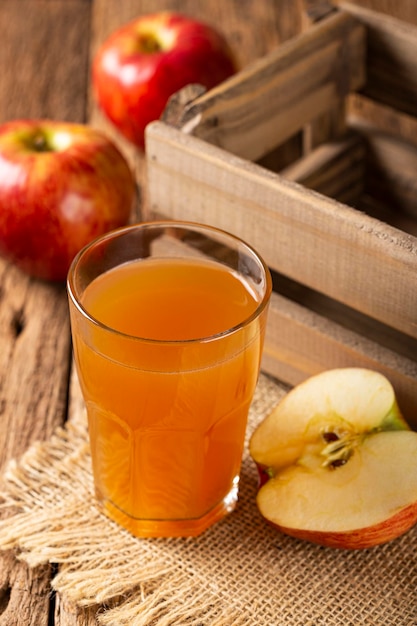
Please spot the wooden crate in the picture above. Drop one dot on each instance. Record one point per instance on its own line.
(310, 154)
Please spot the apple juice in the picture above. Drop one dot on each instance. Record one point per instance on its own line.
(167, 390)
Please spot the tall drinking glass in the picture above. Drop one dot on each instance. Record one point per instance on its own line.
(168, 322)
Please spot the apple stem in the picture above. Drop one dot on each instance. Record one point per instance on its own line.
(149, 44)
(40, 143)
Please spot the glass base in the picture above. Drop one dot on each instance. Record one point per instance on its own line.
(171, 528)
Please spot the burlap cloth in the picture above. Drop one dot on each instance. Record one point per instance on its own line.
(241, 572)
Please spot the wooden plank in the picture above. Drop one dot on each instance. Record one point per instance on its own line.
(44, 60)
(330, 125)
(34, 360)
(403, 10)
(314, 240)
(67, 614)
(391, 59)
(385, 118)
(300, 343)
(275, 97)
(369, 161)
(391, 171)
(24, 593)
(379, 208)
(316, 10)
(335, 169)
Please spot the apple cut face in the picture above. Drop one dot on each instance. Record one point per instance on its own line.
(339, 461)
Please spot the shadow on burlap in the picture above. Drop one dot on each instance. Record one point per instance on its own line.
(241, 572)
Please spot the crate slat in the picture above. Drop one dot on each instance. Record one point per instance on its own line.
(391, 58)
(300, 342)
(335, 169)
(274, 98)
(326, 245)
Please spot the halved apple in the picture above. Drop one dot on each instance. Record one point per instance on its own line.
(339, 461)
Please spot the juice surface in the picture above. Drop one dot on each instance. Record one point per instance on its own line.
(167, 423)
(169, 299)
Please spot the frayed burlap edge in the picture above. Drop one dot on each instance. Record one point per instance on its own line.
(51, 516)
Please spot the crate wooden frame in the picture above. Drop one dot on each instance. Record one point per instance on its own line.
(360, 273)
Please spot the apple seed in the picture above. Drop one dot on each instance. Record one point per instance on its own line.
(330, 436)
(338, 449)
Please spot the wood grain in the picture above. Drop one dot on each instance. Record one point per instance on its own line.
(305, 236)
(44, 61)
(404, 10)
(308, 238)
(301, 342)
(67, 614)
(254, 112)
(335, 169)
(391, 65)
(34, 360)
(24, 593)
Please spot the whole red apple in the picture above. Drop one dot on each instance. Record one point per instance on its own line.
(143, 63)
(61, 185)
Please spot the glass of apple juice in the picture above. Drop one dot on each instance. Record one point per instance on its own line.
(168, 321)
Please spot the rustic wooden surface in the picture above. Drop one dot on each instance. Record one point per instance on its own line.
(45, 56)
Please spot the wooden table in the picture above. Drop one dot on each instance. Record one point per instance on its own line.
(45, 55)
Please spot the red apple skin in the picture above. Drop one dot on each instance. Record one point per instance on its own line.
(61, 185)
(263, 475)
(143, 63)
(361, 538)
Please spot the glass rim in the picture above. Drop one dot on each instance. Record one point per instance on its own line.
(184, 224)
